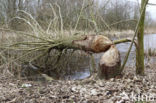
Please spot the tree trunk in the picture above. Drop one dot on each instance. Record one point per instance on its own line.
(110, 64)
(140, 41)
(93, 43)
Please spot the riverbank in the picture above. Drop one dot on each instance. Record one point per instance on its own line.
(116, 90)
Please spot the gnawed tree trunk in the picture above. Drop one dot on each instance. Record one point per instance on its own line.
(93, 43)
(110, 62)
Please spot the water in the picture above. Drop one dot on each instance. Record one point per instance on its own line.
(149, 42)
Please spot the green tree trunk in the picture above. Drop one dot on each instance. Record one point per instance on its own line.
(140, 41)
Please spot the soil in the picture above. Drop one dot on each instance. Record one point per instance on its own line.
(115, 90)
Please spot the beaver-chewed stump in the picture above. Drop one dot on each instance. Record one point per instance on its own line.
(109, 66)
(110, 61)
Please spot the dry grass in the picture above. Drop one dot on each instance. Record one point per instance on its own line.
(150, 30)
(151, 52)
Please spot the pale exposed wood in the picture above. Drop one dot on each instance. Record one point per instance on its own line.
(110, 62)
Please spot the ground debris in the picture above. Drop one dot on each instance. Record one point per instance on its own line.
(117, 90)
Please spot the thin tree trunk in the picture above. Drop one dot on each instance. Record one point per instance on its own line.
(140, 41)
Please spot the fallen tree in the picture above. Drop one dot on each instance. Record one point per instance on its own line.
(109, 65)
(43, 40)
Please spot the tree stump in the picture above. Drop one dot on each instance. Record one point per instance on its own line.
(110, 63)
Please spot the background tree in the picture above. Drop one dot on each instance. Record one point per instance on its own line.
(104, 13)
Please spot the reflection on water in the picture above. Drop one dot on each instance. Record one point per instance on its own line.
(84, 73)
(149, 42)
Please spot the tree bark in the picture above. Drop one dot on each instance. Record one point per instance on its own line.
(110, 62)
(93, 43)
(140, 43)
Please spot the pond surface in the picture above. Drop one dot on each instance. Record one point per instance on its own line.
(149, 42)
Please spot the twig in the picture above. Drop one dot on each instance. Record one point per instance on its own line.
(26, 34)
(105, 23)
(123, 41)
(122, 21)
(61, 20)
(79, 16)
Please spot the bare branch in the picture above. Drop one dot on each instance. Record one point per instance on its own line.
(122, 21)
